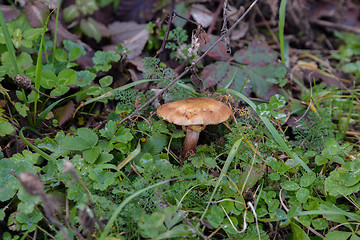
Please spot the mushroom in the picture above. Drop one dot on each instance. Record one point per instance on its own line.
(194, 114)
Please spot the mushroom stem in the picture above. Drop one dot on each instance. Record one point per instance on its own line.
(190, 141)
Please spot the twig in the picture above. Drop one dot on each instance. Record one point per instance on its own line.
(171, 16)
(215, 15)
(338, 26)
(193, 63)
(296, 218)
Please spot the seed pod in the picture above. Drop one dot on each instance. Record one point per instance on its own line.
(22, 81)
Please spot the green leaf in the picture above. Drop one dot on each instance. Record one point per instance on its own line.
(84, 78)
(60, 55)
(155, 144)
(90, 155)
(263, 109)
(90, 27)
(196, 162)
(32, 34)
(334, 184)
(228, 227)
(67, 77)
(88, 135)
(320, 223)
(5, 128)
(338, 235)
(320, 160)
(22, 109)
(102, 59)
(74, 54)
(70, 13)
(48, 79)
(210, 162)
(302, 195)
(59, 91)
(106, 81)
(277, 102)
(109, 129)
(69, 45)
(29, 221)
(2, 214)
(76, 143)
(290, 186)
(307, 179)
(216, 216)
(123, 135)
(102, 179)
(298, 233)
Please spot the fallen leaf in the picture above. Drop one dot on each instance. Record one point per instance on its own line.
(9, 12)
(36, 12)
(201, 15)
(219, 52)
(140, 11)
(64, 113)
(131, 35)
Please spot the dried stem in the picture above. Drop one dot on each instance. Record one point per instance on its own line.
(171, 16)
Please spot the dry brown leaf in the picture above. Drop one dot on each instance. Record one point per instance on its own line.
(36, 12)
(9, 12)
(131, 35)
(64, 113)
(202, 15)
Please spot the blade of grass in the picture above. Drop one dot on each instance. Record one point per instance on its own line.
(282, 13)
(36, 149)
(271, 128)
(55, 32)
(8, 42)
(39, 65)
(223, 172)
(50, 107)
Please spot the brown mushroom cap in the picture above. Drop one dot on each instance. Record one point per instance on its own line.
(195, 111)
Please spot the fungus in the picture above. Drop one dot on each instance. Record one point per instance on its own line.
(194, 114)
